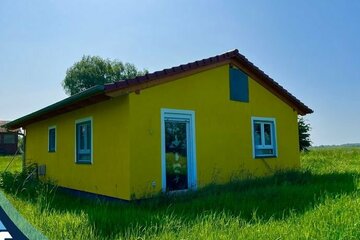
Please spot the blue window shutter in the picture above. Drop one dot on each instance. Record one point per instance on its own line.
(239, 85)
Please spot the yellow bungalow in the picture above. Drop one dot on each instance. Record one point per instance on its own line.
(181, 128)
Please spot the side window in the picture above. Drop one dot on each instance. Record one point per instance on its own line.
(52, 139)
(9, 138)
(264, 137)
(84, 141)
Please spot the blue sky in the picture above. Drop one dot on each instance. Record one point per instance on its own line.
(312, 48)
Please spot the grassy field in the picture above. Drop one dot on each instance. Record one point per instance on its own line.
(14, 166)
(322, 201)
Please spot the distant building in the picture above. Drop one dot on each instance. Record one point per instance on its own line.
(8, 140)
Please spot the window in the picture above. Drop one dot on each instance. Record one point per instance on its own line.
(52, 139)
(9, 139)
(264, 137)
(84, 141)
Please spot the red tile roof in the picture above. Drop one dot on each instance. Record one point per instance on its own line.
(103, 92)
(232, 57)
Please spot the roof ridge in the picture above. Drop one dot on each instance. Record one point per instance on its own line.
(175, 69)
(231, 54)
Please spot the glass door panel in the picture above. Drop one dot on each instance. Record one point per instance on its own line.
(176, 150)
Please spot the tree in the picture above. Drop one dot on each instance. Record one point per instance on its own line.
(304, 134)
(94, 70)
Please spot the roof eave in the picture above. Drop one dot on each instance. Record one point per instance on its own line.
(17, 123)
(306, 111)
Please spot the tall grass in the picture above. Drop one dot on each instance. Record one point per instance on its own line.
(321, 201)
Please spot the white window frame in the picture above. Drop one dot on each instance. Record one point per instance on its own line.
(92, 140)
(192, 166)
(55, 142)
(273, 137)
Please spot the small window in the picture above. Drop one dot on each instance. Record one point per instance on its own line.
(9, 139)
(52, 139)
(264, 137)
(84, 141)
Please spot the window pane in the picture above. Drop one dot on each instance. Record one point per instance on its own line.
(82, 133)
(84, 157)
(52, 139)
(257, 134)
(9, 139)
(88, 136)
(264, 152)
(267, 134)
(176, 155)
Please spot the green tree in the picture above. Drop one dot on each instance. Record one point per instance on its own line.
(94, 70)
(304, 134)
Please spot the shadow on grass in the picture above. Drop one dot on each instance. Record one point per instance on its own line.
(271, 197)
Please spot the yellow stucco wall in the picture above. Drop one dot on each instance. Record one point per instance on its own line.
(223, 130)
(109, 172)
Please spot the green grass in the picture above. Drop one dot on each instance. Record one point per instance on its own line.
(322, 201)
(15, 164)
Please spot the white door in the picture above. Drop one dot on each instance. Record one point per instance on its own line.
(178, 150)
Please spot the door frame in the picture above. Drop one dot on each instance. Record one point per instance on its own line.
(192, 170)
